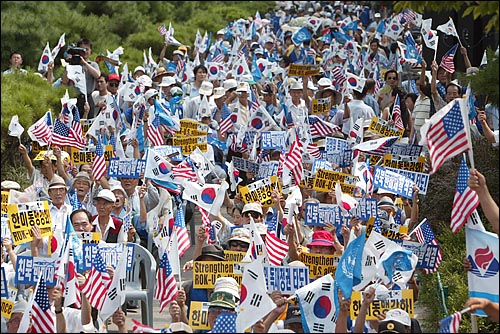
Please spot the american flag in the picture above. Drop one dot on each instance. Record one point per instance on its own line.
(409, 15)
(447, 60)
(320, 128)
(227, 123)
(76, 125)
(376, 146)
(62, 135)
(95, 287)
(139, 327)
(451, 323)
(162, 29)
(225, 323)
(154, 134)
(465, 201)
(41, 131)
(185, 170)
(166, 287)
(446, 136)
(180, 66)
(293, 160)
(276, 249)
(424, 235)
(183, 241)
(314, 151)
(339, 77)
(140, 116)
(396, 114)
(99, 166)
(207, 224)
(43, 319)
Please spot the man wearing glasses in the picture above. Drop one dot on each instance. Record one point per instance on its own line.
(391, 79)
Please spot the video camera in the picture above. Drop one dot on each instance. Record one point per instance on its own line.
(76, 54)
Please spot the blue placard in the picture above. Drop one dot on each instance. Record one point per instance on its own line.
(28, 268)
(427, 253)
(285, 278)
(267, 169)
(367, 207)
(321, 164)
(394, 182)
(336, 144)
(127, 168)
(405, 149)
(109, 253)
(420, 179)
(342, 159)
(273, 140)
(317, 214)
(5, 289)
(168, 150)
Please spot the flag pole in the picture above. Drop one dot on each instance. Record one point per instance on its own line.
(413, 231)
(473, 320)
(465, 118)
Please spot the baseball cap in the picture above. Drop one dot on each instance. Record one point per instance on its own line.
(268, 90)
(293, 315)
(229, 84)
(206, 88)
(228, 284)
(376, 15)
(176, 327)
(398, 315)
(321, 238)
(118, 186)
(215, 251)
(222, 299)
(256, 207)
(150, 93)
(241, 234)
(391, 326)
(10, 185)
(167, 81)
(113, 76)
(107, 195)
(139, 68)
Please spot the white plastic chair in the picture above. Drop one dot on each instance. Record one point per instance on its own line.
(141, 287)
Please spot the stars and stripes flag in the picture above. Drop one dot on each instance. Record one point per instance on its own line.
(183, 241)
(96, 286)
(76, 125)
(396, 114)
(43, 319)
(162, 29)
(451, 323)
(445, 134)
(376, 146)
(154, 133)
(338, 76)
(293, 161)
(276, 249)
(41, 131)
(447, 60)
(166, 287)
(225, 323)
(465, 201)
(99, 166)
(62, 135)
(424, 235)
(321, 128)
(227, 123)
(139, 327)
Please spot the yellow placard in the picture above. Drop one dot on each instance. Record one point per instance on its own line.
(320, 264)
(298, 70)
(23, 216)
(234, 256)
(410, 163)
(7, 307)
(192, 127)
(80, 157)
(320, 106)
(89, 237)
(325, 181)
(205, 273)
(5, 202)
(36, 147)
(402, 299)
(306, 182)
(86, 124)
(261, 193)
(198, 315)
(383, 128)
(189, 143)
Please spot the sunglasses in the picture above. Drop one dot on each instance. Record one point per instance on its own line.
(391, 78)
(113, 84)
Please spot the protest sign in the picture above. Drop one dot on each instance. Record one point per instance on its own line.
(285, 278)
(126, 167)
(110, 253)
(23, 216)
(402, 299)
(260, 191)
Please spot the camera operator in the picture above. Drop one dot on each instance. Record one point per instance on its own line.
(79, 55)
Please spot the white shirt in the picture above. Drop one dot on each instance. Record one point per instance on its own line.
(122, 236)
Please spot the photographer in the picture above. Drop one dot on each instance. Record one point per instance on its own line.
(79, 55)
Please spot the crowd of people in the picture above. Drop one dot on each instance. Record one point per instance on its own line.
(204, 83)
